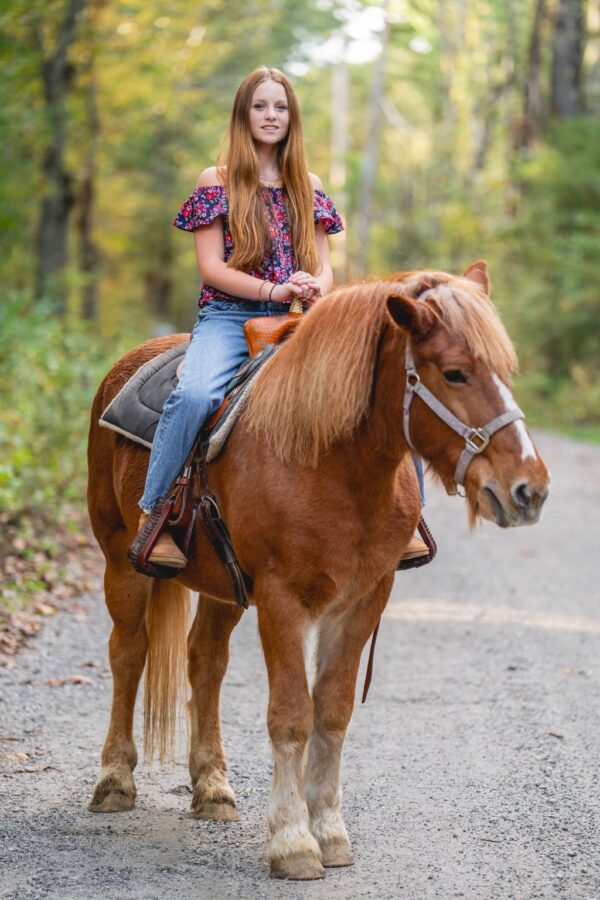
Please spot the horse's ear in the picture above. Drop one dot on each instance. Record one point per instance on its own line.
(478, 273)
(410, 314)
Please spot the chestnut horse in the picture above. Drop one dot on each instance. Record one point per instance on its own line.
(319, 492)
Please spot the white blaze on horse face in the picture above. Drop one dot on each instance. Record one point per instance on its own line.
(527, 449)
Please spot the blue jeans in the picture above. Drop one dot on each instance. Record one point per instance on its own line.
(420, 478)
(217, 349)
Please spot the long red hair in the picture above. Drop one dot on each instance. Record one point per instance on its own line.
(239, 170)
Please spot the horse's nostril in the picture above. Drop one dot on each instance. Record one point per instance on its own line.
(521, 494)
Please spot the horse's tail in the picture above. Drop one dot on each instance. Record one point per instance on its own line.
(167, 616)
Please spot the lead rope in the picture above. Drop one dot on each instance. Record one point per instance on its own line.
(369, 672)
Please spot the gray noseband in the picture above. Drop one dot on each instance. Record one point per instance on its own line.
(476, 439)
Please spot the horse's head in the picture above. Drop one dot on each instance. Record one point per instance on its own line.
(459, 362)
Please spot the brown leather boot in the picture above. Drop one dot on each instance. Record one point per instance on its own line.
(165, 552)
(416, 549)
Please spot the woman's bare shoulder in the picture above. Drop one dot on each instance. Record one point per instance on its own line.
(316, 181)
(210, 177)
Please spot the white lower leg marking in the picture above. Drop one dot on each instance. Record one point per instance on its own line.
(322, 777)
(527, 449)
(288, 813)
(322, 787)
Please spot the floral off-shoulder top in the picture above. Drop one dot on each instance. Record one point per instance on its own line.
(206, 203)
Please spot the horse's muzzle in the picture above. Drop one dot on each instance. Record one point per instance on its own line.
(522, 507)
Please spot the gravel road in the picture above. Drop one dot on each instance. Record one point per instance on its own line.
(472, 771)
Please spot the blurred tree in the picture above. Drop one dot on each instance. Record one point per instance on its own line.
(86, 189)
(435, 141)
(567, 56)
(374, 117)
(58, 73)
(533, 111)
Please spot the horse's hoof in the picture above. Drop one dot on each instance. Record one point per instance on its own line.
(113, 801)
(216, 812)
(336, 854)
(297, 867)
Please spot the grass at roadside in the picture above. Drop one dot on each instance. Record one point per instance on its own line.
(49, 372)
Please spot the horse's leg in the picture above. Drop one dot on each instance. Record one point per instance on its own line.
(342, 636)
(208, 657)
(294, 852)
(126, 596)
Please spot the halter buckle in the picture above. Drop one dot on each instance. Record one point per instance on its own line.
(477, 435)
(412, 377)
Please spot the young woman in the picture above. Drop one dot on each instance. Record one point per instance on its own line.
(260, 223)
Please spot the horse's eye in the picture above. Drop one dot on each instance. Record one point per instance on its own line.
(455, 376)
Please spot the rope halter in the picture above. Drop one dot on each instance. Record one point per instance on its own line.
(476, 439)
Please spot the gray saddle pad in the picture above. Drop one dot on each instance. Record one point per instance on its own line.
(134, 412)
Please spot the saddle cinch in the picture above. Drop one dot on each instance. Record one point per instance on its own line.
(135, 412)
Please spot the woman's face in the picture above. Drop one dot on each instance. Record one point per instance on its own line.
(269, 113)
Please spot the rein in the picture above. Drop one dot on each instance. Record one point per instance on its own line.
(476, 439)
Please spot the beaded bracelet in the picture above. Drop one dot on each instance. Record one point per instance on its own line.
(262, 284)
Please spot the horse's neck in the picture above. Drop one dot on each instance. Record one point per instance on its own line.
(373, 453)
(382, 436)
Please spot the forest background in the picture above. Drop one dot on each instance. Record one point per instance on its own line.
(444, 131)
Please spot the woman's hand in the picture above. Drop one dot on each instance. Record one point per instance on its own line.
(307, 291)
(307, 286)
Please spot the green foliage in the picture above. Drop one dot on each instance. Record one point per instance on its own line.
(551, 254)
(49, 372)
(452, 184)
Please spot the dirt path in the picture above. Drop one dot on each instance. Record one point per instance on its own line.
(472, 771)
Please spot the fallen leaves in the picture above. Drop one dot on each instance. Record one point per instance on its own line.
(181, 790)
(79, 679)
(72, 679)
(20, 756)
(23, 756)
(15, 631)
(42, 568)
(45, 609)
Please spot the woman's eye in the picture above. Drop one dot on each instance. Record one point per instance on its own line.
(455, 376)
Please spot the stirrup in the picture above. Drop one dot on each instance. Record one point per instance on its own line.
(419, 561)
(144, 541)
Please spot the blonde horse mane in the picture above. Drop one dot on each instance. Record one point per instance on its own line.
(318, 387)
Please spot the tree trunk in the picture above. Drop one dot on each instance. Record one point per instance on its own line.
(369, 167)
(158, 268)
(57, 201)
(533, 112)
(569, 38)
(337, 170)
(88, 251)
